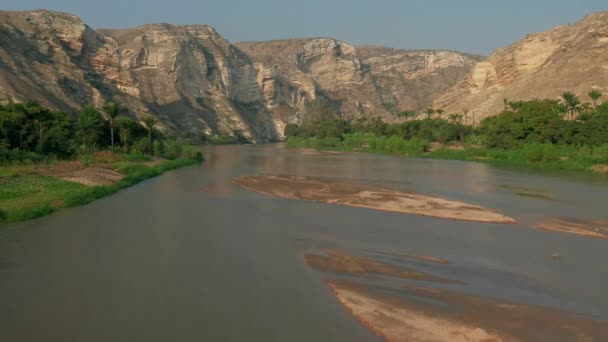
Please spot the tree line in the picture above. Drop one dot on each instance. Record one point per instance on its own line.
(565, 121)
(29, 131)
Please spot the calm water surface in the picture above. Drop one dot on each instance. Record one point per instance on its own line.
(190, 256)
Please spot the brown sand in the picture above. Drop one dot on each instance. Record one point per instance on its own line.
(593, 229)
(371, 197)
(422, 314)
(430, 259)
(313, 152)
(601, 168)
(75, 171)
(341, 263)
(93, 176)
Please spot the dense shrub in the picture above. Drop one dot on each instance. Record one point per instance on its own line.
(3, 215)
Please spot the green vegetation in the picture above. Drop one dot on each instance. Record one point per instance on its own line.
(553, 134)
(113, 110)
(38, 146)
(26, 195)
(30, 133)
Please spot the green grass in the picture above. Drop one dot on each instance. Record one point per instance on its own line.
(25, 196)
(529, 156)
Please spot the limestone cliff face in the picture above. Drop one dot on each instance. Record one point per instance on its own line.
(194, 80)
(47, 57)
(543, 65)
(357, 81)
(190, 77)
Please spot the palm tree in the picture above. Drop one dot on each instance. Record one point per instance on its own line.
(88, 125)
(572, 103)
(113, 110)
(406, 114)
(455, 118)
(595, 95)
(429, 112)
(149, 121)
(505, 103)
(439, 112)
(125, 136)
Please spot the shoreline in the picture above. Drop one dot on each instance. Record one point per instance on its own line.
(472, 155)
(40, 192)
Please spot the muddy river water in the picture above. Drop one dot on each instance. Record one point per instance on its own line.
(192, 256)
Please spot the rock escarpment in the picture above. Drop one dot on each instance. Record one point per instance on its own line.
(356, 81)
(543, 65)
(190, 77)
(196, 81)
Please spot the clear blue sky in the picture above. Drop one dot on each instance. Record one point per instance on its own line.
(477, 26)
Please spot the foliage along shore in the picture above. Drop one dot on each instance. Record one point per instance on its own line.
(26, 194)
(548, 134)
(51, 160)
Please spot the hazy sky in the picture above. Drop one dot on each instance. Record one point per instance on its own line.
(476, 26)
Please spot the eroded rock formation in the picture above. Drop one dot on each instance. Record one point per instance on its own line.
(543, 65)
(196, 81)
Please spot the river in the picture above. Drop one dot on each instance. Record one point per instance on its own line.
(190, 256)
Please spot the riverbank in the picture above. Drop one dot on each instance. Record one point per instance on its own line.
(530, 156)
(32, 191)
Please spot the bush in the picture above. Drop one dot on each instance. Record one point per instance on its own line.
(223, 139)
(87, 159)
(140, 146)
(356, 140)
(192, 153)
(327, 142)
(158, 148)
(173, 149)
(136, 157)
(291, 130)
(600, 154)
(545, 153)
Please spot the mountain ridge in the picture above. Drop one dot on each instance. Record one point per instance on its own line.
(195, 81)
(192, 78)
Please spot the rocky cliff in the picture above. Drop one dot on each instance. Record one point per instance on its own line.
(196, 81)
(543, 65)
(356, 81)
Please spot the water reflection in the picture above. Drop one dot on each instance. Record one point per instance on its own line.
(191, 256)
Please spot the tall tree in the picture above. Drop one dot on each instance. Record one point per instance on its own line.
(429, 112)
(595, 95)
(112, 111)
(149, 121)
(125, 136)
(465, 115)
(89, 126)
(572, 103)
(455, 118)
(406, 114)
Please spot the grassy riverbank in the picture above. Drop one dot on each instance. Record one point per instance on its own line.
(31, 191)
(534, 155)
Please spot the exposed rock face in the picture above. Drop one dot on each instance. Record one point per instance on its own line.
(196, 81)
(543, 65)
(357, 81)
